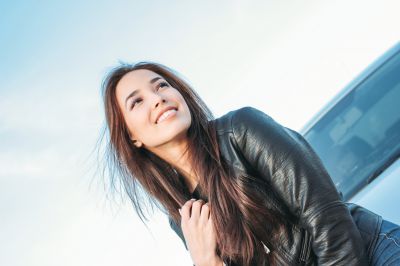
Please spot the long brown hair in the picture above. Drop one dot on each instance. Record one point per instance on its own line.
(240, 217)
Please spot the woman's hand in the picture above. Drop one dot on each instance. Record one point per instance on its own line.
(198, 230)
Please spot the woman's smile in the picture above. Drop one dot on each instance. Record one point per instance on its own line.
(167, 115)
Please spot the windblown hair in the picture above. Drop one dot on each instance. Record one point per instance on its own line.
(241, 217)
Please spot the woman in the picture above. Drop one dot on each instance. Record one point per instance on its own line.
(238, 190)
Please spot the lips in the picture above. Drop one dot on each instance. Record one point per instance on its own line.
(163, 111)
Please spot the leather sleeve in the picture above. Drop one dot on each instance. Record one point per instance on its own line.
(289, 164)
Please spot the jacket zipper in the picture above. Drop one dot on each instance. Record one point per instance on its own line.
(304, 252)
(266, 249)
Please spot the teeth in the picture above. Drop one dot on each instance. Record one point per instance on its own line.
(165, 115)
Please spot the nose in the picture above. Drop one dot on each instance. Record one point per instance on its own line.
(158, 99)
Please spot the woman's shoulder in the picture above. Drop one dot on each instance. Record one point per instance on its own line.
(250, 128)
(241, 118)
(250, 122)
(243, 113)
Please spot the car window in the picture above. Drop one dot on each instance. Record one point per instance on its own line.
(360, 133)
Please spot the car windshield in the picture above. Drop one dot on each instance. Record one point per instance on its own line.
(358, 136)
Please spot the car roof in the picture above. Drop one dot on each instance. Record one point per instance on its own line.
(373, 67)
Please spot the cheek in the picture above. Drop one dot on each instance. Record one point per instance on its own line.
(176, 95)
(182, 101)
(136, 126)
(187, 110)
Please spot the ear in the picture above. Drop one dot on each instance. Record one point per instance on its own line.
(137, 143)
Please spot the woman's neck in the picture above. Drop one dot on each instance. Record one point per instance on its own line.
(190, 179)
(176, 154)
(184, 167)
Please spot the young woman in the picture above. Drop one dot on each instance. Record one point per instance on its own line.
(238, 190)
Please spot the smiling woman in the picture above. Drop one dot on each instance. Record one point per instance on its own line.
(240, 189)
(153, 111)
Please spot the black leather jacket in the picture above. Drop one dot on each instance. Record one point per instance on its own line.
(322, 229)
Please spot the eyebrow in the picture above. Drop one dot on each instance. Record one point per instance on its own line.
(133, 93)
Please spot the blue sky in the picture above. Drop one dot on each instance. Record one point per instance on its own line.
(287, 58)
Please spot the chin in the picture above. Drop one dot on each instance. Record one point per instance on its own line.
(170, 134)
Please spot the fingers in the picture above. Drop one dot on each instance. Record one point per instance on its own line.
(205, 212)
(195, 209)
(186, 209)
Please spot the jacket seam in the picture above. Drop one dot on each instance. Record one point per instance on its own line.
(233, 131)
(319, 211)
(315, 213)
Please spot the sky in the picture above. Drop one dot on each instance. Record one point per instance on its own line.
(287, 58)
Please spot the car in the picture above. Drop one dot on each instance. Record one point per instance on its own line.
(357, 137)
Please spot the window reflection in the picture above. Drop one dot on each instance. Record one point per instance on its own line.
(362, 130)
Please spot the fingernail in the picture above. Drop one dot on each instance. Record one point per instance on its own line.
(193, 199)
(179, 211)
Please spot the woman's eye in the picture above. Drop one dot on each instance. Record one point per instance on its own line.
(162, 84)
(134, 102)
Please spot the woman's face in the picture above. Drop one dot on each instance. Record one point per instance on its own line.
(155, 113)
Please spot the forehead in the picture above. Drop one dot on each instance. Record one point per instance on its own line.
(136, 79)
